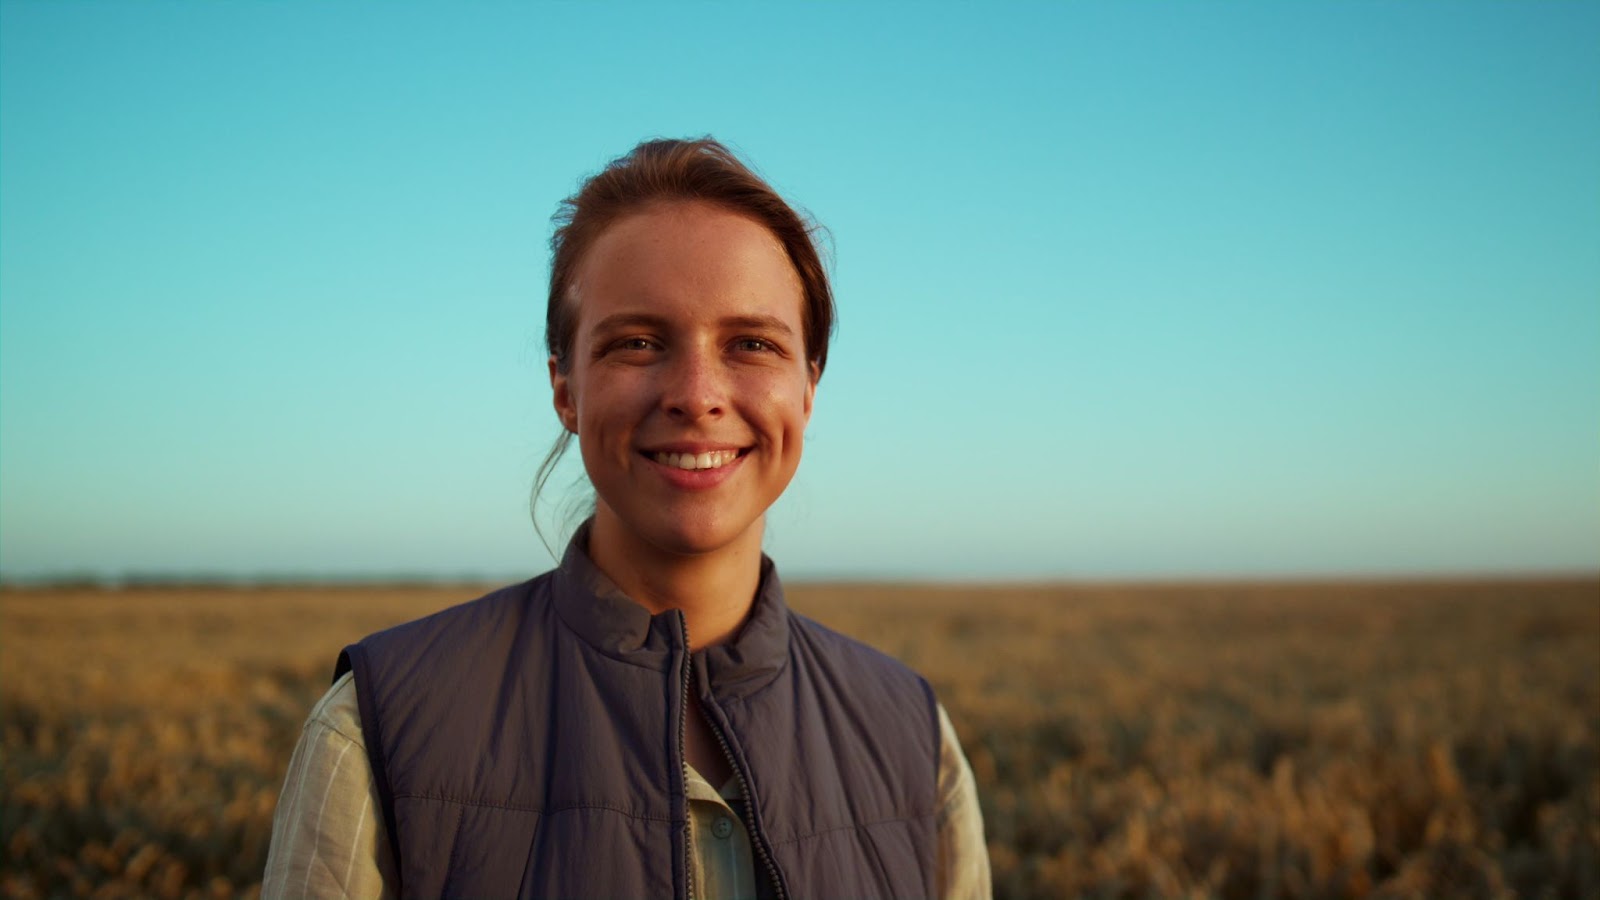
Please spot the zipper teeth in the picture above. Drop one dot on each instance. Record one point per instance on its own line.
(683, 758)
(760, 839)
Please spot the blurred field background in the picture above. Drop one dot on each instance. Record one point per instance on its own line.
(1250, 740)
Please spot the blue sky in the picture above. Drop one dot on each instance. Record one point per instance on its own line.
(1125, 290)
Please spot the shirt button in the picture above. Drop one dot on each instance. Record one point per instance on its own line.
(722, 827)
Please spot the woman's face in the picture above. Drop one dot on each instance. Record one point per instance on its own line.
(688, 384)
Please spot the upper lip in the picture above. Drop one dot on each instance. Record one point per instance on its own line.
(695, 447)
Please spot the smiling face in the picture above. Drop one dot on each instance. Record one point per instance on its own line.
(687, 382)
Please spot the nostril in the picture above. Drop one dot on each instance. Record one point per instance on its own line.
(683, 410)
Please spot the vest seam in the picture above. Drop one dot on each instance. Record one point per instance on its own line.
(455, 841)
(853, 827)
(534, 809)
(871, 845)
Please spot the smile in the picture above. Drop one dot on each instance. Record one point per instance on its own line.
(714, 459)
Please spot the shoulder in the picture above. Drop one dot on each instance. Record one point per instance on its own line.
(875, 683)
(449, 642)
(338, 710)
(870, 706)
(492, 608)
(841, 649)
(434, 633)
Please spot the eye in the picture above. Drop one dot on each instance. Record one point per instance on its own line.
(631, 350)
(632, 344)
(753, 345)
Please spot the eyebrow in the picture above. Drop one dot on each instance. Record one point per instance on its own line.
(629, 320)
(759, 323)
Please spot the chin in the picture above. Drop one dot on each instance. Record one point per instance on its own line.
(680, 525)
(695, 535)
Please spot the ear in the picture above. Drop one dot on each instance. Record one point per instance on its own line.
(561, 396)
(812, 377)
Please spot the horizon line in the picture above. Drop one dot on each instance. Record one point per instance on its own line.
(156, 580)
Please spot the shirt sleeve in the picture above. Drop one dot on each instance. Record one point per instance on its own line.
(327, 833)
(963, 865)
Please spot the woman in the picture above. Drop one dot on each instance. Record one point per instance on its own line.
(649, 719)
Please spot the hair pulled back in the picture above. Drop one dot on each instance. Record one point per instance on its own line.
(666, 170)
(662, 171)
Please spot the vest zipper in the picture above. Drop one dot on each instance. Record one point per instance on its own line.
(683, 760)
(760, 839)
(760, 842)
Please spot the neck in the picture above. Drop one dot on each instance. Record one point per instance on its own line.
(714, 590)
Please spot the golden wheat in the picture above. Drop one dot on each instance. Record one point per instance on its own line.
(1313, 741)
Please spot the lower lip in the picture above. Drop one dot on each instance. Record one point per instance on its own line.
(696, 479)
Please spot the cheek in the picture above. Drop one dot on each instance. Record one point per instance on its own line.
(783, 409)
(607, 403)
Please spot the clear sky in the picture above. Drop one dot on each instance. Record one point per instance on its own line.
(1125, 290)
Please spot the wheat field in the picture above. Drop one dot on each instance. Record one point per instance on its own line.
(1205, 740)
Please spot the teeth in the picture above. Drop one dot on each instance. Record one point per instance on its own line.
(715, 459)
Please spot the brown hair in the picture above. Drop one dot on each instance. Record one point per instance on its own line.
(662, 171)
(665, 170)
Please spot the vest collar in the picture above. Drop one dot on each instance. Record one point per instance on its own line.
(608, 620)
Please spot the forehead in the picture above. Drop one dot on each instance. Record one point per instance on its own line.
(686, 259)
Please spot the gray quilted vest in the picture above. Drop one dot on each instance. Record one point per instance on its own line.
(530, 743)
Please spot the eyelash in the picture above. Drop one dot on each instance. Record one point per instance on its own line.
(763, 345)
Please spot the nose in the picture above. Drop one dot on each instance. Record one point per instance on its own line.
(694, 386)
